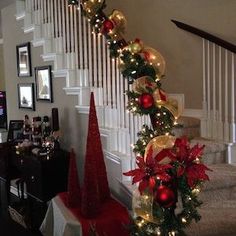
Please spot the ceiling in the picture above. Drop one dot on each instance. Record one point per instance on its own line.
(4, 3)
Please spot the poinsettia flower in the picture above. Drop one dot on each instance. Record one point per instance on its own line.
(189, 161)
(196, 172)
(148, 171)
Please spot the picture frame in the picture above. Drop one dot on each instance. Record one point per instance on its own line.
(23, 56)
(43, 81)
(15, 130)
(26, 96)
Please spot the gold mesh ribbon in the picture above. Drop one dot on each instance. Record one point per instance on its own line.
(158, 143)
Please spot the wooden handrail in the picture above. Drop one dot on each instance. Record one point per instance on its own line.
(229, 46)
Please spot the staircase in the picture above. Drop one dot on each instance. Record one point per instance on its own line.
(75, 50)
(219, 194)
(219, 197)
(215, 152)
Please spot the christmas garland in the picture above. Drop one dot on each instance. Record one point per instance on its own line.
(169, 171)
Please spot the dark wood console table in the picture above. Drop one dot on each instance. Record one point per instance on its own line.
(43, 176)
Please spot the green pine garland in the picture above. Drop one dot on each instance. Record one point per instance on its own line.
(133, 66)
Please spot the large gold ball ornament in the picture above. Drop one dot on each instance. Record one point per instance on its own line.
(91, 7)
(144, 84)
(155, 59)
(135, 47)
(159, 143)
(118, 18)
(120, 23)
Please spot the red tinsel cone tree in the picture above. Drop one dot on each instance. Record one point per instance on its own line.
(73, 187)
(104, 190)
(95, 188)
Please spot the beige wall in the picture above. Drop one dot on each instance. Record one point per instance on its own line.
(69, 118)
(2, 79)
(149, 20)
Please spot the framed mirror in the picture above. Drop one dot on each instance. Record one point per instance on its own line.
(23, 58)
(26, 96)
(15, 130)
(43, 81)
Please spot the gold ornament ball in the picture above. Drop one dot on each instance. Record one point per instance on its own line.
(156, 60)
(118, 17)
(135, 47)
(91, 7)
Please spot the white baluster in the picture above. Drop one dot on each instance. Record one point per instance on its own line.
(86, 27)
(127, 117)
(113, 83)
(99, 51)
(214, 123)
(209, 124)
(104, 49)
(56, 21)
(226, 118)
(232, 123)
(90, 63)
(63, 26)
(67, 37)
(109, 99)
(76, 55)
(220, 123)
(53, 21)
(72, 39)
(40, 7)
(118, 99)
(122, 107)
(95, 75)
(60, 39)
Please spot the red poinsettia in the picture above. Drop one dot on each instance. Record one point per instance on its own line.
(149, 170)
(189, 161)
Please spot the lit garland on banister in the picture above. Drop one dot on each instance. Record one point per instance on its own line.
(169, 171)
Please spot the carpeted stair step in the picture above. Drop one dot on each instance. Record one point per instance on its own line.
(187, 126)
(214, 151)
(217, 220)
(222, 184)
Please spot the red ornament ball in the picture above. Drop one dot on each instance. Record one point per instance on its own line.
(165, 196)
(146, 100)
(107, 26)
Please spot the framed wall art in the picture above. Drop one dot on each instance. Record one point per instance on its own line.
(43, 81)
(15, 130)
(23, 60)
(26, 96)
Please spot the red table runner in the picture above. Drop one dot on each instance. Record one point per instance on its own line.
(112, 220)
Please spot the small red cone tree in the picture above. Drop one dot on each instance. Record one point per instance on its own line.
(73, 187)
